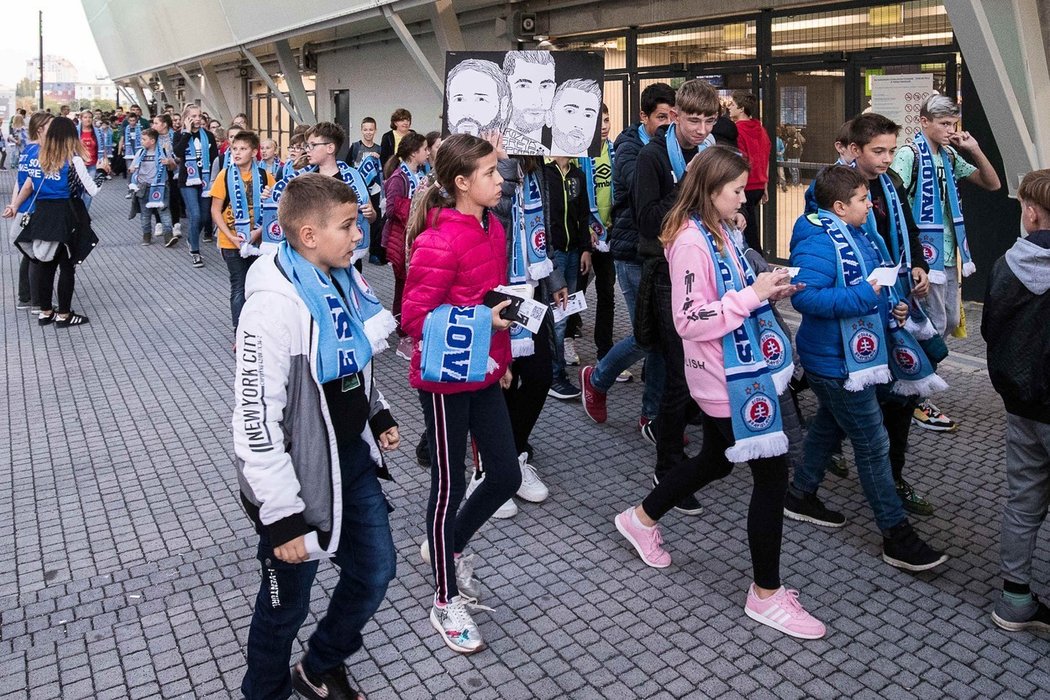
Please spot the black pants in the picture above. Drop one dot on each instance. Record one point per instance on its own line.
(42, 281)
(528, 390)
(605, 306)
(896, 417)
(25, 292)
(676, 404)
(752, 234)
(765, 513)
(449, 417)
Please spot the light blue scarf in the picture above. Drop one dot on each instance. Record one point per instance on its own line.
(413, 178)
(528, 253)
(643, 135)
(351, 323)
(597, 225)
(372, 174)
(456, 342)
(155, 198)
(246, 215)
(863, 337)
(675, 153)
(928, 211)
(198, 166)
(753, 380)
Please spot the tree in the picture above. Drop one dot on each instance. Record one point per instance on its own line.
(26, 87)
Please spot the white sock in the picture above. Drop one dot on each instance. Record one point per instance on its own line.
(638, 523)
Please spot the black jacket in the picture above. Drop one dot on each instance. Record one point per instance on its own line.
(725, 132)
(1014, 325)
(569, 210)
(623, 238)
(181, 145)
(655, 191)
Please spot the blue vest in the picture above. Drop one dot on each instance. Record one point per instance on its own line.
(56, 186)
(29, 168)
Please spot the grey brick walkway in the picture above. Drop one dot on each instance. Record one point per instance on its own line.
(128, 568)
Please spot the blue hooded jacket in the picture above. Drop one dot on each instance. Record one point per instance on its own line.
(821, 303)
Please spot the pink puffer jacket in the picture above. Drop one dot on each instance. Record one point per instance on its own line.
(454, 261)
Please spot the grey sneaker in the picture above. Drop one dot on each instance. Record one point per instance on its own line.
(455, 625)
(466, 583)
(1034, 617)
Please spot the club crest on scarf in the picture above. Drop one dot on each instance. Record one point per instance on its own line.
(864, 345)
(907, 360)
(759, 410)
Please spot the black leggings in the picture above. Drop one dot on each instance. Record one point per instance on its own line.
(765, 514)
(42, 281)
(528, 389)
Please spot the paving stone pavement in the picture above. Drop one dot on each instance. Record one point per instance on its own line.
(128, 567)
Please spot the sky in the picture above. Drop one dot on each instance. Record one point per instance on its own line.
(66, 33)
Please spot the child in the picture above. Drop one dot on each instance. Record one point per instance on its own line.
(292, 386)
(929, 167)
(569, 241)
(459, 257)
(1014, 326)
(366, 147)
(236, 196)
(269, 160)
(738, 361)
(196, 148)
(401, 178)
(149, 173)
(848, 347)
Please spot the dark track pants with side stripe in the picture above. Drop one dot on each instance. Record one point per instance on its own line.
(449, 418)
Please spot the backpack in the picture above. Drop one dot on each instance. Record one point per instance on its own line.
(915, 165)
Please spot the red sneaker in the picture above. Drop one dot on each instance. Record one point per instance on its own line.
(593, 400)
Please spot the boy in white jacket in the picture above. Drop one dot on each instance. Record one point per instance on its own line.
(309, 426)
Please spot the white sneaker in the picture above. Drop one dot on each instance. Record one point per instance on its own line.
(466, 583)
(571, 357)
(624, 376)
(531, 489)
(176, 230)
(424, 550)
(455, 625)
(158, 230)
(507, 510)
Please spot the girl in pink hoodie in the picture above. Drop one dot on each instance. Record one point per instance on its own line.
(722, 313)
(461, 357)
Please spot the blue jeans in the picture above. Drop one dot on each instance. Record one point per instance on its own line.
(626, 352)
(366, 561)
(198, 211)
(92, 169)
(238, 268)
(569, 263)
(146, 214)
(859, 416)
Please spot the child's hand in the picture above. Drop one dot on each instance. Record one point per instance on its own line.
(368, 212)
(920, 286)
(293, 552)
(9, 212)
(876, 286)
(266, 192)
(500, 324)
(506, 379)
(776, 283)
(390, 440)
(585, 262)
(256, 235)
(900, 312)
(561, 298)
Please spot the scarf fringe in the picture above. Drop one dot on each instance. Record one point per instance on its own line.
(761, 447)
(522, 347)
(920, 331)
(378, 329)
(921, 387)
(542, 269)
(969, 268)
(602, 246)
(938, 277)
(782, 378)
(860, 380)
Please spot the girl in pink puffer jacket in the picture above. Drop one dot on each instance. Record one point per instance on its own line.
(458, 254)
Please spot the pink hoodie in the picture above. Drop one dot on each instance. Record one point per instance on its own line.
(702, 319)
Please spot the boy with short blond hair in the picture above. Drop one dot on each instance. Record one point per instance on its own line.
(1014, 326)
(306, 405)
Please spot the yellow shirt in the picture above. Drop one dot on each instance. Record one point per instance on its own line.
(218, 191)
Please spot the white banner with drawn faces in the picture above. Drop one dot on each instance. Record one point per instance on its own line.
(543, 102)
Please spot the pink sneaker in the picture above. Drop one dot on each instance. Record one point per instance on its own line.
(405, 346)
(784, 613)
(646, 541)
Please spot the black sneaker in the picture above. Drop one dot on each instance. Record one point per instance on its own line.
(687, 505)
(839, 465)
(333, 685)
(647, 427)
(1034, 617)
(423, 452)
(809, 509)
(563, 389)
(196, 260)
(902, 548)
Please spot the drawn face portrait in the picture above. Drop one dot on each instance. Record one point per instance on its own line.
(531, 93)
(573, 118)
(474, 104)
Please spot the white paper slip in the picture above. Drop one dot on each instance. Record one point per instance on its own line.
(530, 314)
(792, 271)
(577, 303)
(523, 290)
(885, 276)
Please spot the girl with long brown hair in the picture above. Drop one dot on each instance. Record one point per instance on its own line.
(59, 234)
(28, 164)
(737, 361)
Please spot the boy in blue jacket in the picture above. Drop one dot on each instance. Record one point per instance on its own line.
(842, 344)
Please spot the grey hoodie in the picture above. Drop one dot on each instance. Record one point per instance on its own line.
(1031, 263)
